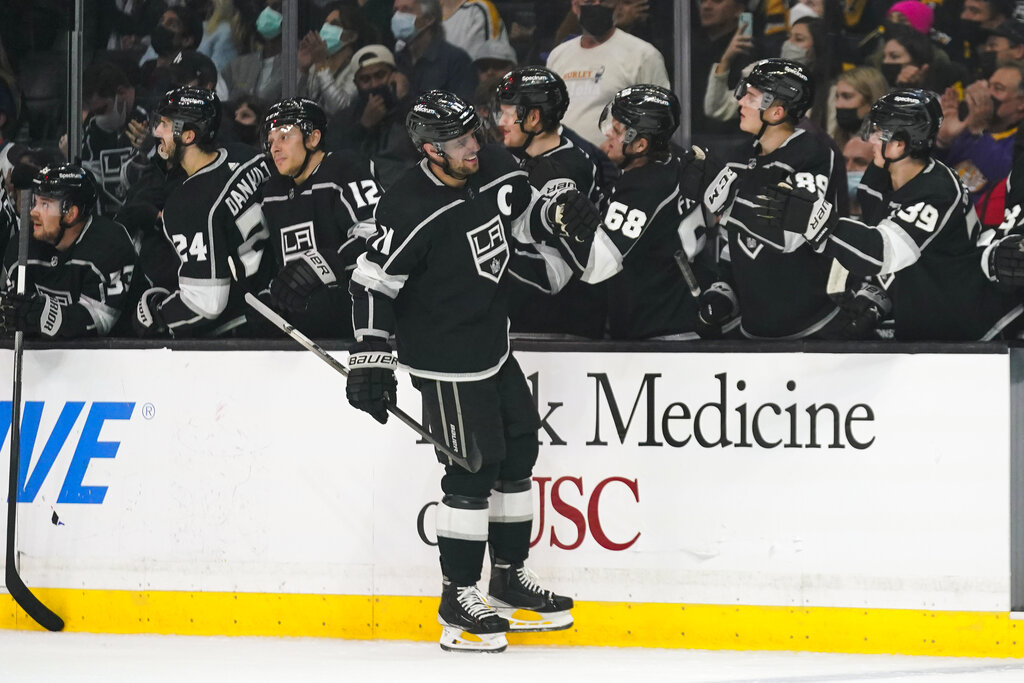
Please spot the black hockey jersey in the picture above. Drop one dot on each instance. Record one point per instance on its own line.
(332, 212)
(780, 281)
(922, 242)
(104, 153)
(215, 224)
(435, 275)
(8, 217)
(646, 222)
(86, 284)
(579, 308)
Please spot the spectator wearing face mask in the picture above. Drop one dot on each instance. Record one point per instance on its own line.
(108, 97)
(1005, 43)
(259, 73)
(855, 91)
(246, 114)
(326, 69)
(179, 29)
(909, 59)
(424, 54)
(600, 63)
(374, 123)
(858, 155)
(977, 18)
(980, 147)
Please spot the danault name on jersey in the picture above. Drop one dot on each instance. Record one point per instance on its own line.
(246, 185)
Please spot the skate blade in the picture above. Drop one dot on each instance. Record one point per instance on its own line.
(456, 640)
(527, 621)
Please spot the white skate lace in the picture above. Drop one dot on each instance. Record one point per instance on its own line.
(529, 581)
(473, 602)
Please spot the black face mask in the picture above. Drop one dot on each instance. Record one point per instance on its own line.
(597, 20)
(246, 132)
(162, 40)
(891, 72)
(387, 91)
(972, 32)
(987, 63)
(847, 119)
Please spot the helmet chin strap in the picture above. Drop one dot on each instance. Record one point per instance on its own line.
(765, 124)
(520, 150)
(886, 161)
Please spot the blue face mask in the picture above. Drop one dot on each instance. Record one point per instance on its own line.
(268, 23)
(403, 25)
(853, 179)
(332, 36)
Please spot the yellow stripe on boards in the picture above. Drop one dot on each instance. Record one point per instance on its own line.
(620, 624)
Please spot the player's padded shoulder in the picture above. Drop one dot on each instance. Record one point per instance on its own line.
(106, 244)
(805, 151)
(648, 185)
(937, 185)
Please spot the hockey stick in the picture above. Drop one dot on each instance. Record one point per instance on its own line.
(286, 327)
(688, 275)
(43, 615)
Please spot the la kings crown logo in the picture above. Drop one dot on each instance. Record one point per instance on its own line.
(490, 249)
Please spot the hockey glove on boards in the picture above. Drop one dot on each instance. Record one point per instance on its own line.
(862, 312)
(1006, 261)
(575, 216)
(147, 320)
(799, 210)
(716, 306)
(691, 173)
(291, 288)
(32, 314)
(371, 378)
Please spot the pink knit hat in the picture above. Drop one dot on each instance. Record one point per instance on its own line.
(917, 13)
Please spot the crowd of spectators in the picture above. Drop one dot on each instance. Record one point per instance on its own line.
(365, 62)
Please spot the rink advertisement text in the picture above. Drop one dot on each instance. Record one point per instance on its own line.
(704, 412)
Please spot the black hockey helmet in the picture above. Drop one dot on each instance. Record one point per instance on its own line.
(646, 111)
(439, 116)
(910, 115)
(783, 82)
(192, 109)
(296, 111)
(534, 87)
(70, 184)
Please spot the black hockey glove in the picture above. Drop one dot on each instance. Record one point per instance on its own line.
(861, 313)
(719, 192)
(797, 209)
(716, 306)
(25, 313)
(1006, 261)
(291, 288)
(575, 216)
(371, 378)
(691, 174)
(147, 321)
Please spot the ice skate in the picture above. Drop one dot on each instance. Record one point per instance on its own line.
(515, 594)
(470, 623)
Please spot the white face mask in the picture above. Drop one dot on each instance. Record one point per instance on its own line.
(794, 53)
(114, 119)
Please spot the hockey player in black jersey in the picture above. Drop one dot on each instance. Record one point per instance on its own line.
(79, 264)
(654, 212)
(531, 102)
(1003, 260)
(918, 230)
(213, 220)
(319, 210)
(776, 281)
(449, 231)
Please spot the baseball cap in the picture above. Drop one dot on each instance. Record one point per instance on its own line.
(372, 54)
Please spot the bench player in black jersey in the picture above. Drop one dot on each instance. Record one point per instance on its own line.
(1003, 261)
(449, 231)
(79, 267)
(531, 103)
(918, 230)
(319, 210)
(777, 282)
(654, 212)
(212, 219)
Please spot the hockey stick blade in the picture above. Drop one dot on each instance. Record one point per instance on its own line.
(28, 602)
(310, 345)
